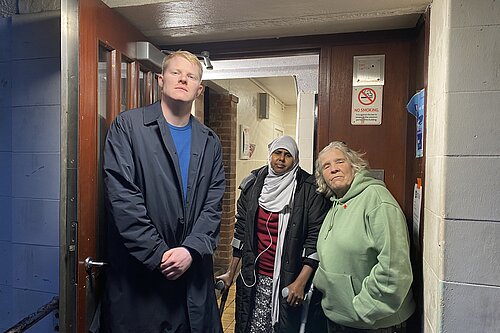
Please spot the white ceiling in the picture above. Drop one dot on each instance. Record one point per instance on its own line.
(283, 87)
(283, 77)
(167, 23)
(170, 22)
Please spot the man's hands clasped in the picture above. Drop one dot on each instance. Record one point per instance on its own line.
(175, 262)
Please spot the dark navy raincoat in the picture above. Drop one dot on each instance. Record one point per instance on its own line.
(147, 215)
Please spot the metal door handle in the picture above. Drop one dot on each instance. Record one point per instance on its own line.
(89, 263)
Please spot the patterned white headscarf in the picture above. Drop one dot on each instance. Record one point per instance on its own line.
(278, 189)
(277, 196)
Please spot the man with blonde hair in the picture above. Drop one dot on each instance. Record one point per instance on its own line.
(164, 182)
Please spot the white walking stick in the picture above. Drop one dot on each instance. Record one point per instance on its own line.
(305, 309)
(305, 306)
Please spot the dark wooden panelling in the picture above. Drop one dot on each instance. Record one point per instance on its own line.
(113, 93)
(290, 45)
(385, 145)
(324, 85)
(390, 146)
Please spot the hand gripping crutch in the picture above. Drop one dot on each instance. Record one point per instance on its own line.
(220, 286)
(305, 309)
(305, 306)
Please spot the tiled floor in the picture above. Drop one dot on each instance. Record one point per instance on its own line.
(228, 314)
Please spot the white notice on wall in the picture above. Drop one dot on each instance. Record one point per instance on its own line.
(366, 105)
(417, 203)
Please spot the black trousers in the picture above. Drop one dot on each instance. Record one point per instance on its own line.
(336, 328)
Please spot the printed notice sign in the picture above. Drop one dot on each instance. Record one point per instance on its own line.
(416, 106)
(417, 204)
(367, 105)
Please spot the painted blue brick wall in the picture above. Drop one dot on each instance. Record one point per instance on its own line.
(29, 166)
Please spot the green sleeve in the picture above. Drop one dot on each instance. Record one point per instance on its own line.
(385, 288)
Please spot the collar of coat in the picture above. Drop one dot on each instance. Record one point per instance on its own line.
(153, 112)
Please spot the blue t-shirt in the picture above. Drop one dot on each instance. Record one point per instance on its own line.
(182, 141)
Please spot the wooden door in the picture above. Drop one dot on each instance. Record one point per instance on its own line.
(109, 80)
(385, 145)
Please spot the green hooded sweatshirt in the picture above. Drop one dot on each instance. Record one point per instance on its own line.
(364, 271)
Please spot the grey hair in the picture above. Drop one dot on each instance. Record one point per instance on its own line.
(355, 158)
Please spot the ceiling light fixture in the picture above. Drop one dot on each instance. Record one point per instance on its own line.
(204, 55)
(206, 59)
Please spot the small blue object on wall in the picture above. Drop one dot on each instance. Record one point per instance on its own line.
(416, 106)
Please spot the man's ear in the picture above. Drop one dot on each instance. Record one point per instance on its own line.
(200, 90)
(160, 80)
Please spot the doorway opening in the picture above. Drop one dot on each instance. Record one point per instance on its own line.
(268, 97)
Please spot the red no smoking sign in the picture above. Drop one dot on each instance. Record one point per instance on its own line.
(367, 105)
(367, 96)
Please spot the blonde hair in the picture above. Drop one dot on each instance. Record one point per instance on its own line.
(358, 163)
(186, 55)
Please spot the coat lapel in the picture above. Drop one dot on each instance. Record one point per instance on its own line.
(199, 139)
(199, 136)
(153, 113)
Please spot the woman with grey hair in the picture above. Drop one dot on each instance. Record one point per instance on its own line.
(277, 223)
(364, 273)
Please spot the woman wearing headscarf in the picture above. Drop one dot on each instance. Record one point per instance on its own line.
(279, 214)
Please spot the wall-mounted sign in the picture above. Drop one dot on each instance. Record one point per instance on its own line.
(417, 204)
(244, 142)
(416, 106)
(368, 70)
(368, 78)
(367, 105)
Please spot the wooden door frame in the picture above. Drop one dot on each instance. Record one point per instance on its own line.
(85, 25)
(98, 25)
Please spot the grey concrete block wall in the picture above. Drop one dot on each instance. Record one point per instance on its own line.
(472, 253)
(462, 204)
(8, 7)
(30, 167)
(470, 308)
(37, 6)
(479, 133)
(472, 187)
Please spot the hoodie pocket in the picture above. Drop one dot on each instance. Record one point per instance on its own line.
(338, 294)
